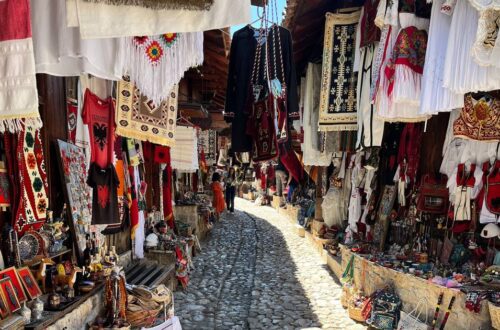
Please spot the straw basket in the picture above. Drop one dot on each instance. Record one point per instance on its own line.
(356, 313)
(495, 315)
(142, 318)
(345, 297)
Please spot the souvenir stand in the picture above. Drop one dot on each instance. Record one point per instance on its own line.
(88, 125)
(402, 147)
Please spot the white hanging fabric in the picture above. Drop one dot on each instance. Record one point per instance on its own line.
(184, 154)
(461, 73)
(435, 97)
(312, 156)
(101, 20)
(486, 48)
(59, 49)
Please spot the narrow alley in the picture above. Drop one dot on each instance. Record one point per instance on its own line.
(255, 273)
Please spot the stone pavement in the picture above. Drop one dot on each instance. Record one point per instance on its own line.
(256, 273)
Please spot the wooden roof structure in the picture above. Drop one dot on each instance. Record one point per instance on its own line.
(202, 92)
(306, 22)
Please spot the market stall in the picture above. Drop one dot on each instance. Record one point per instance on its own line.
(402, 169)
(103, 170)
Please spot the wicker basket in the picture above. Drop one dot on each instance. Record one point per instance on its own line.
(345, 297)
(495, 315)
(143, 318)
(356, 313)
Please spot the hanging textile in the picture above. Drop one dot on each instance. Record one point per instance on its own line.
(184, 154)
(18, 93)
(133, 201)
(338, 88)
(105, 184)
(207, 141)
(101, 20)
(60, 50)
(370, 127)
(98, 114)
(155, 64)
(71, 116)
(435, 97)
(310, 148)
(102, 89)
(161, 4)
(140, 118)
(168, 211)
(462, 74)
(398, 93)
(33, 201)
(291, 162)
(139, 234)
(5, 197)
(486, 48)
(261, 128)
(239, 99)
(479, 118)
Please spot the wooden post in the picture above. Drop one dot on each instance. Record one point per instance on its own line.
(318, 213)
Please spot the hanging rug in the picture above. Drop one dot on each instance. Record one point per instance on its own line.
(32, 210)
(138, 117)
(338, 79)
(161, 4)
(207, 141)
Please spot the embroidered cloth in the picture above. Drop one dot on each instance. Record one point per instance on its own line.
(338, 88)
(155, 64)
(262, 129)
(409, 51)
(479, 118)
(161, 4)
(207, 141)
(101, 20)
(140, 118)
(18, 94)
(32, 210)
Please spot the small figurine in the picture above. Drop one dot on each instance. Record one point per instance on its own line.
(63, 280)
(41, 273)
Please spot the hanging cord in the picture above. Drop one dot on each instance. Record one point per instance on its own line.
(279, 45)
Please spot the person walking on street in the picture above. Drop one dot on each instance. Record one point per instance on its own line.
(230, 182)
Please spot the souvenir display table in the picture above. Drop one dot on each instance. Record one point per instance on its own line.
(410, 288)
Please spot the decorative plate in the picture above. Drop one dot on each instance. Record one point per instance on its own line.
(28, 247)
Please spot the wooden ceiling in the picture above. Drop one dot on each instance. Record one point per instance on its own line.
(306, 22)
(206, 85)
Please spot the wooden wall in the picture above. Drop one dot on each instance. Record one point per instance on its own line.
(432, 144)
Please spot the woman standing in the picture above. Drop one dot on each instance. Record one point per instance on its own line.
(230, 182)
(218, 198)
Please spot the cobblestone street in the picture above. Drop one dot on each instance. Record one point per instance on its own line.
(256, 273)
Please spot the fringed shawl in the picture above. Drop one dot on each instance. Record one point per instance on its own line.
(155, 64)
